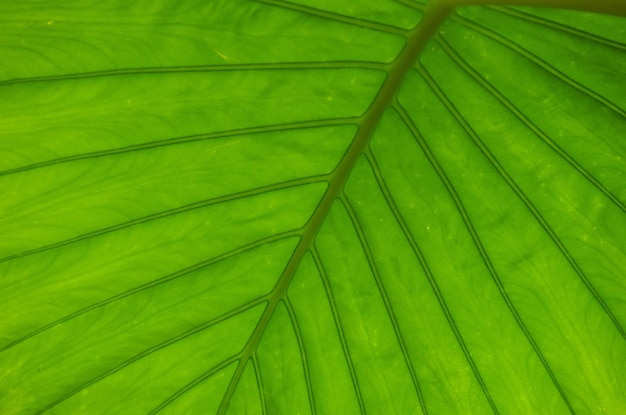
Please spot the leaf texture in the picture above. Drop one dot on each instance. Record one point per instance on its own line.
(382, 207)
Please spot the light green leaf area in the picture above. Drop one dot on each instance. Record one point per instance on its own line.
(333, 207)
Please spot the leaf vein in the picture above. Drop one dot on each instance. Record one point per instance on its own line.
(234, 381)
(523, 198)
(303, 354)
(158, 347)
(539, 62)
(259, 381)
(153, 284)
(530, 125)
(412, 4)
(342, 337)
(192, 384)
(386, 300)
(273, 66)
(170, 212)
(187, 139)
(433, 283)
(354, 21)
(483, 254)
(559, 26)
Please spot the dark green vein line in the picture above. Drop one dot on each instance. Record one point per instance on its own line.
(540, 134)
(522, 196)
(482, 251)
(431, 280)
(385, 297)
(193, 384)
(559, 26)
(276, 66)
(531, 126)
(324, 14)
(416, 40)
(188, 139)
(171, 212)
(303, 353)
(259, 381)
(413, 4)
(154, 283)
(384, 189)
(541, 63)
(339, 327)
(536, 130)
(156, 348)
(231, 387)
(247, 353)
(611, 7)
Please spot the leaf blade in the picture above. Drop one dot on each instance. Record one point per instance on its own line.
(267, 163)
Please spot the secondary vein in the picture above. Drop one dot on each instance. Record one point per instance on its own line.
(397, 70)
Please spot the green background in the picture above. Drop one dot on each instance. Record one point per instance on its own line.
(334, 207)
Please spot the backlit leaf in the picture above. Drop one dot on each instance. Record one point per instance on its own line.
(334, 207)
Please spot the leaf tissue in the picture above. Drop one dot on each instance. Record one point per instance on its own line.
(313, 207)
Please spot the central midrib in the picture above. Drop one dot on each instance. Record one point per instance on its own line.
(416, 40)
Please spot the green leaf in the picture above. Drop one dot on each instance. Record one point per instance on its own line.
(382, 207)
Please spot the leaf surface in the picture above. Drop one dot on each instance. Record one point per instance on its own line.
(312, 207)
